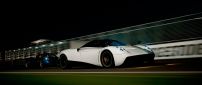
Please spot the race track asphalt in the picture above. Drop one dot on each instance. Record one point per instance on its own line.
(164, 72)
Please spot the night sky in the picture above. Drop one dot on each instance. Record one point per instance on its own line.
(23, 23)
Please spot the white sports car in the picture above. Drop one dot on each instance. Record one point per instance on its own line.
(106, 53)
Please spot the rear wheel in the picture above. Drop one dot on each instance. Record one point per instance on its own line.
(26, 64)
(64, 63)
(107, 59)
(41, 64)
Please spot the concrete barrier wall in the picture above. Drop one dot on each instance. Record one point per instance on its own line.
(176, 50)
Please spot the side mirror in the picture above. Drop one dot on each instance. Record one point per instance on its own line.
(78, 49)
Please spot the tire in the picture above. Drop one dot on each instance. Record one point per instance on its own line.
(63, 61)
(38, 61)
(41, 65)
(27, 65)
(107, 59)
(41, 61)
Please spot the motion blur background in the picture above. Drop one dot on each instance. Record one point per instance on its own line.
(23, 22)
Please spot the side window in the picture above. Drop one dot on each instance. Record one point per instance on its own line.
(96, 43)
(100, 43)
(90, 44)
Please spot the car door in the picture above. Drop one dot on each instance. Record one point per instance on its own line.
(73, 55)
(89, 53)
